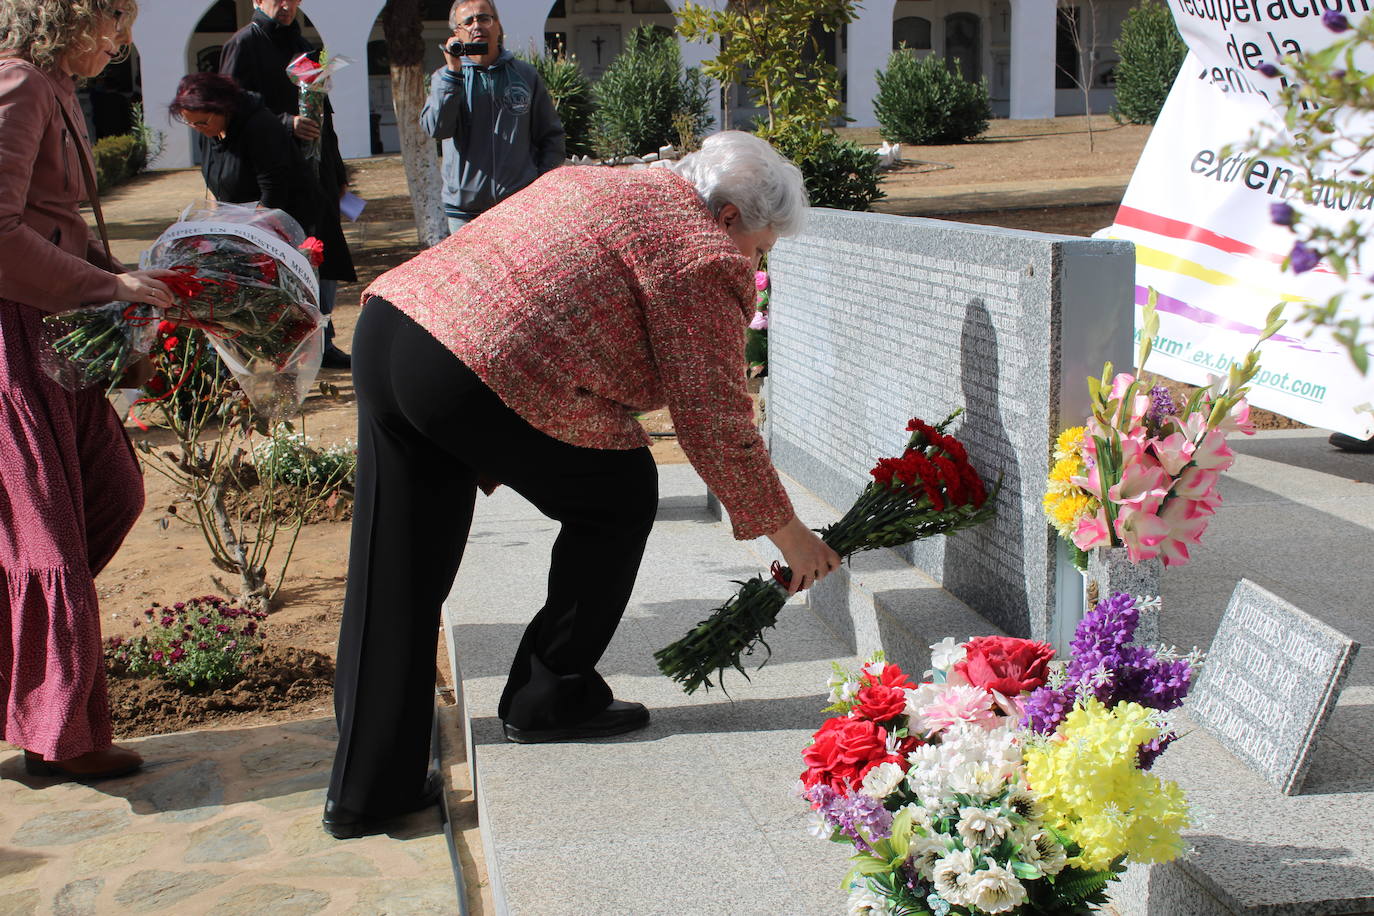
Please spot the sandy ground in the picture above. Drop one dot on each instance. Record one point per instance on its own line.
(1022, 164)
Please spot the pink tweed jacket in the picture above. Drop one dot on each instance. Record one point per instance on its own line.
(594, 294)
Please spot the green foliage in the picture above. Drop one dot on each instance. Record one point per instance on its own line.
(1151, 52)
(773, 42)
(122, 157)
(572, 97)
(838, 173)
(198, 644)
(289, 458)
(923, 101)
(642, 92)
(114, 160)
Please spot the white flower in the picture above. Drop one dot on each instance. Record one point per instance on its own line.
(819, 827)
(917, 698)
(950, 873)
(983, 827)
(994, 890)
(945, 654)
(1044, 852)
(842, 689)
(864, 901)
(1025, 803)
(882, 779)
(925, 851)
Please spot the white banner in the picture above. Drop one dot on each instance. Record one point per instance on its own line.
(1199, 217)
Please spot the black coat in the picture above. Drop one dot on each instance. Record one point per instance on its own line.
(257, 57)
(258, 161)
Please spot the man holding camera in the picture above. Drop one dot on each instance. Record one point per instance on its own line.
(493, 114)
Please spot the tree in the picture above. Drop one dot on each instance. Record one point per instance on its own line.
(1151, 52)
(405, 47)
(1084, 54)
(774, 46)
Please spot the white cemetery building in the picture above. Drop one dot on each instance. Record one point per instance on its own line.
(1026, 49)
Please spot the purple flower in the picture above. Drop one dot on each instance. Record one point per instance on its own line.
(853, 815)
(1335, 21)
(1282, 214)
(1046, 708)
(203, 621)
(1149, 751)
(232, 644)
(157, 656)
(1339, 74)
(168, 621)
(177, 654)
(222, 628)
(1161, 405)
(202, 645)
(1268, 69)
(1302, 259)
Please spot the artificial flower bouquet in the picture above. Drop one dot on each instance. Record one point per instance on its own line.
(931, 489)
(1002, 784)
(1142, 472)
(314, 78)
(756, 338)
(247, 278)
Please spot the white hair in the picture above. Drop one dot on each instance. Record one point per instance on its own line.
(733, 167)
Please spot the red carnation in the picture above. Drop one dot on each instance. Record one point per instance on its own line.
(1005, 664)
(843, 751)
(170, 344)
(313, 249)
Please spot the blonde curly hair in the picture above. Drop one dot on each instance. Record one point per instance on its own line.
(43, 31)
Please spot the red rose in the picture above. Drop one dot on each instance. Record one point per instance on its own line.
(1006, 664)
(880, 703)
(843, 751)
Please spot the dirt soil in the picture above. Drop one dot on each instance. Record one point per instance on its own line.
(169, 563)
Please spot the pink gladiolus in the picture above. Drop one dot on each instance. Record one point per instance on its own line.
(1142, 486)
(1186, 526)
(1092, 532)
(1141, 532)
(760, 280)
(1122, 381)
(1238, 420)
(1173, 452)
(1196, 483)
(1213, 453)
(760, 322)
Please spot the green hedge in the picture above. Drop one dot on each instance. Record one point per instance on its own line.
(1151, 52)
(920, 101)
(118, 158)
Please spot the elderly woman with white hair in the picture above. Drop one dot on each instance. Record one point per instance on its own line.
(518, 351)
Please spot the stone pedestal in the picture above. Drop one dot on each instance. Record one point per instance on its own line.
(1111, 570)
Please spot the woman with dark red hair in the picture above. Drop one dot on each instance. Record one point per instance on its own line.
(247, 155)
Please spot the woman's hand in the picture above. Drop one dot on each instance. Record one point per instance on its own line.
(805, 554)
(145, 287)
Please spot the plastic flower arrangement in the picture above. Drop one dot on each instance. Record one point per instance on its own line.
(201, 643)
(955, 804)
(1142, 472)
(931, 489)
(756, 338)
(246, 278)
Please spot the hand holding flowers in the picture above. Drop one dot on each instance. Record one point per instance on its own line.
(1142, 472)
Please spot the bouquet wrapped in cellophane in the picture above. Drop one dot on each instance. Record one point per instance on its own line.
(247, 278)
(931, 489)
(1002, 783)
(314, 78)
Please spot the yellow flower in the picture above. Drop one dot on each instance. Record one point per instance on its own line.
(1070, 443)
(1064, 510)
(1087, 776)
(1063, 470)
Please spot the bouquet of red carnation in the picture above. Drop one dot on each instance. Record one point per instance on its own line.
(247, 279)
(930, 489)
(314, 77)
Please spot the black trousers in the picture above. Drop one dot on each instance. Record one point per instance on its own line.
(428, 428)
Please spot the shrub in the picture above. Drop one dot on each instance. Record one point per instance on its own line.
(201, 643)
(641, 92)
(838, 173)
(923, 101)
(1151, 52)
(288, 458)
(572, 97)
(114, 160)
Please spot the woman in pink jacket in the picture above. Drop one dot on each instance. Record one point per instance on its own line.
(519, 350)
(70, 486)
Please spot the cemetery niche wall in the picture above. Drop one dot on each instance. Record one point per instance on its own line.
(877, 318)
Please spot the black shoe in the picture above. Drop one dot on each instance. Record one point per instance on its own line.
(1351, 444)
(343, 824)
(617, 719)
(334, 358)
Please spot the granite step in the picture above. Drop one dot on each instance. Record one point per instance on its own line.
(695, 814)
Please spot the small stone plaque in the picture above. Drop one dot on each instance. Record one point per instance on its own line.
(1270, 681)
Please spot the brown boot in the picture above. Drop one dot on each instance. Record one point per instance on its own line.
(102, 764)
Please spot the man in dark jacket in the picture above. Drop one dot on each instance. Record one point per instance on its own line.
(257, 57)
(494, 116)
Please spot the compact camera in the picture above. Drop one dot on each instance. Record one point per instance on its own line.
(466, 48)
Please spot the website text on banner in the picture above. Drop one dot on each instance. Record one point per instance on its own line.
(1197, 210)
